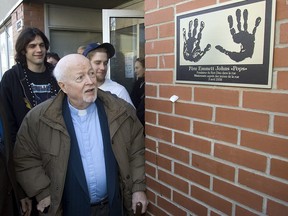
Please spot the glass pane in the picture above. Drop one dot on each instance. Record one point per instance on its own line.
(4, 56)
(67, 42)
(127, 36)
(10, 47)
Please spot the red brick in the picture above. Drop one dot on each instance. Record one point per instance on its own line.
(170, 207)
(155, 210)
(158, 105)
(165, 3)
(150, 117)
(274, 102)
(158, 187)
(151, 33)
(284, 33)
(150, 90)
(217, 132)
(281, 9)
(241, 157)
(173, 181)
(264, 185)
(150, 170)
(159, 16)
(280, 57)
(184, 93)
(166, 61)
(279, 168)
(265, 143)
(151, 62)
(164, 163)
(150, 5)
(242, 118)
(194, 110)
(150, 195)
(159, 47)
(282, 77)
(192, 175)
(159, 133)
(239, 211)
(281, 125)
(213, 167)
(214, 214)
(150, 144)
(217, 96)
(192, 5)
(177, 123)
(174, 152)
(159, 77)
(189, 204)
(238, 194)
(150, 157)
(167, 30)
(212, 200)
(192, 142)
(276, 209)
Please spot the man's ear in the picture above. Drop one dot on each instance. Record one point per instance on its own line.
(62, 86)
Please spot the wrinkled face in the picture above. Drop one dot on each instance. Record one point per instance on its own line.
(80, 85)
(139, 69)
(35, 52)
(99, 62)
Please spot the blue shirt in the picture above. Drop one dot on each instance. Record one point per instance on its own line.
(89, 136)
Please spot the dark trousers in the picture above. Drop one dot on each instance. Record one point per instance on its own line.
(100, 210)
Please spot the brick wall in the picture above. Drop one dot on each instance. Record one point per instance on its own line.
(32, 15)
(217, 150)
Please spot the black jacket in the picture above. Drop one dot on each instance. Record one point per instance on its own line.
(8, 187)
(138, 98)
(17, 96)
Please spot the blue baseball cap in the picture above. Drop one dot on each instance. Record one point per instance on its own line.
(92, 46)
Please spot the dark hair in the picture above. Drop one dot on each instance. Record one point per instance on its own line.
(141, 60)
(25, 37)
(53, 55)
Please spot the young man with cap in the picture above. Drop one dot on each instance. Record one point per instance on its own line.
(99, 55)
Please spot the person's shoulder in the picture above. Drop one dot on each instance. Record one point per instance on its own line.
(11, 75)
(112, 100)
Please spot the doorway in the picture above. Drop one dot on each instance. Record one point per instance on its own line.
(125, 30)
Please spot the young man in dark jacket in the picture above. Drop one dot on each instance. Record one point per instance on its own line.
(29, 82)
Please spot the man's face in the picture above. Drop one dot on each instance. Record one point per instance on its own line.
(35, 52)
(80, 85)
(99, 62)
(52, 61)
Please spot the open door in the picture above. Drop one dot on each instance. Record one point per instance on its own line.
(125, 30)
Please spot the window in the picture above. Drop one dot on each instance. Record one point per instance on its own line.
(6, 48)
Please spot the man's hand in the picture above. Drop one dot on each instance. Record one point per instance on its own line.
(139, 196)
(44, 203)
(26, 206)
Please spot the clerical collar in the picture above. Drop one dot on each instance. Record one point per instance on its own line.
(82, 112)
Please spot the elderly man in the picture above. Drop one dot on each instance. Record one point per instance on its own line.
(82, 153)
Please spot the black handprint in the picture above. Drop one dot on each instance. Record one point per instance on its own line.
(243, 37)
(192, 50)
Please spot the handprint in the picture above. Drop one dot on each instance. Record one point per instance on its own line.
(243, 37)
(192, 50)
